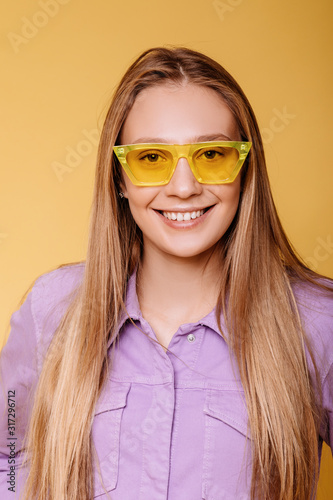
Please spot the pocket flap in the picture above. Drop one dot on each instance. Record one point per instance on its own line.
(229, 406)
(113, 397)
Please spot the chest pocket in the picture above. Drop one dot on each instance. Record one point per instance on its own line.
(227, 446)
(106, 436)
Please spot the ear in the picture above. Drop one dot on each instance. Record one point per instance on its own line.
(121, 183)
(122, 189)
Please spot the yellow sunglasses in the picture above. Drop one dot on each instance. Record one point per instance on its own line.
(211, 162)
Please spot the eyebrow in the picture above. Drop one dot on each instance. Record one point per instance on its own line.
(201, 138)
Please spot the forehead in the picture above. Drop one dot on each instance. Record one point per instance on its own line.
(178, 114)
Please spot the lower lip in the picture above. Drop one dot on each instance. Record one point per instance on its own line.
(185, 224)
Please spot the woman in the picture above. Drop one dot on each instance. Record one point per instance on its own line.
(190, 355)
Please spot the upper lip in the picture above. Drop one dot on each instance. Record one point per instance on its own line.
(182, 209)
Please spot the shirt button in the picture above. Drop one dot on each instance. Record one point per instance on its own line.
(191, 337)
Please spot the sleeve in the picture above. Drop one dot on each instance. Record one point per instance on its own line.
(18, 372)
(316, 311)
(327, 388)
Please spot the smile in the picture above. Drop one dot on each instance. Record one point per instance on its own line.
(182, 216)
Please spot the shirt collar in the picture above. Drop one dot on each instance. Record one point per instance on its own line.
(132, 302)
(133, 310)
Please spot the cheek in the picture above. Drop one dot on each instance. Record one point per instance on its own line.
(139, 198)
(229, 194)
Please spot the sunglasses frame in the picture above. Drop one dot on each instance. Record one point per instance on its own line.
(182, 151)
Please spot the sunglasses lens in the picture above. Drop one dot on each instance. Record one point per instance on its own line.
(150, 165)
(215, 163)
(211, 163)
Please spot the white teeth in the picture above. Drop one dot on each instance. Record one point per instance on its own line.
(179, 216)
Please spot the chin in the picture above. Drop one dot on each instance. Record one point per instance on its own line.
(188, 253)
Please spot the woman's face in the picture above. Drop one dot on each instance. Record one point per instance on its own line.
(181, 115)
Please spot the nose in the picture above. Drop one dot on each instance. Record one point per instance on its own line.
(183, 183)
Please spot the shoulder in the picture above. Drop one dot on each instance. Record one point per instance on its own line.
(315, 306)
(54, 286)
(52, 291)
(50, 297)
(33, 325)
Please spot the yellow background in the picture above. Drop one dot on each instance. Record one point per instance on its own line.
(61, 60)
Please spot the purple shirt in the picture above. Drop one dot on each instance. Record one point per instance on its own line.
(168, 425)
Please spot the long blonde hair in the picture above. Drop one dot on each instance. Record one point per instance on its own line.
(264, 328)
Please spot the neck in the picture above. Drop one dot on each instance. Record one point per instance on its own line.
(185, 288)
